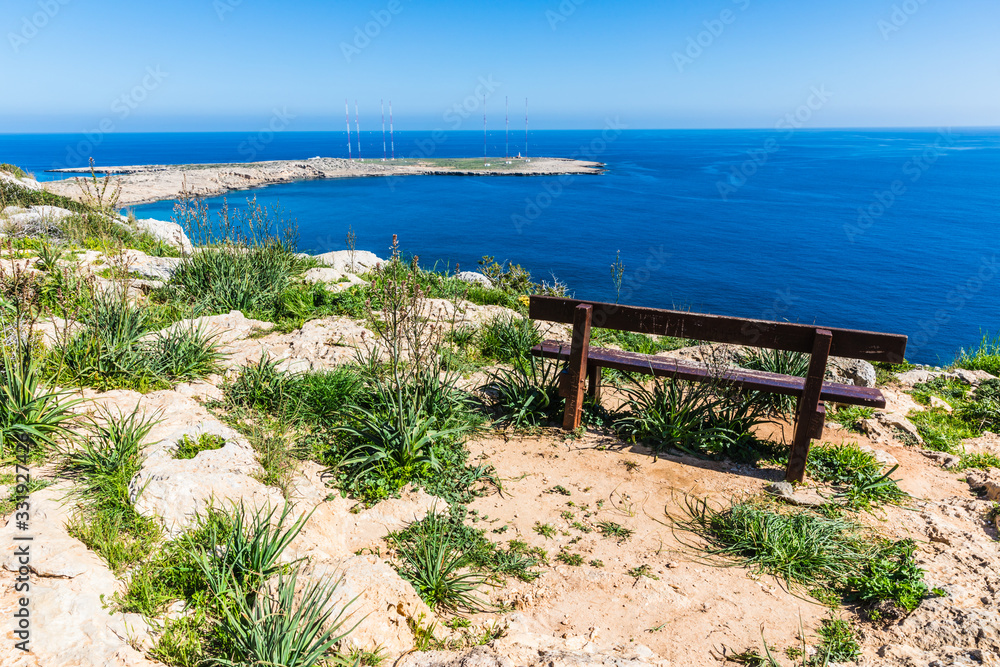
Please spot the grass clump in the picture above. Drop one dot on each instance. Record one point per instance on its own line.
(31, 414)
(857, 471)
(851, 417)
(118, 348)
(102, 466)
(838, 642)
(526, 396)
(614, 530)
(941, 431)
(775, 361)
(434, 559)
(508, 338)
(980, 460)
(693, 418)
(808, 551)
(188, 447)
(984, 357)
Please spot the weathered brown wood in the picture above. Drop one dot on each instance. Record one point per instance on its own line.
(719, 329)
(745, 379)
(819, 422)
(594, 382)
(578, 355)
(808, 409)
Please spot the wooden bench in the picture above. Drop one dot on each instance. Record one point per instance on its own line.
(820, 343)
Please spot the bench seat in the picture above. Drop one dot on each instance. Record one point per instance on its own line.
(774, 383)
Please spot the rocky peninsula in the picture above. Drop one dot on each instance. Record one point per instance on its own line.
(142, 184)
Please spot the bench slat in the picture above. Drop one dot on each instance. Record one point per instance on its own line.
(750, 380)
(848, 343)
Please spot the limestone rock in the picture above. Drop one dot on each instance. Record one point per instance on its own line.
(974, 378)
(943, 458)
(361, 261)
(788, 493)
(884, 426)
(335, 531)
(168, 232)
(916, 376)
(882, 456)
(858, 372)
(35, 220)
(26, 183)
(73, 626)
(318, 345)
(940, 403)
(155, 268)
(177, 490)
(474, 277)
(986, 482)
(938, 623)
(382, 602)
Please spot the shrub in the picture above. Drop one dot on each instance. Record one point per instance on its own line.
(13, 170)
(691, 417)
(30, 412)
(434, 561)
(527, 395)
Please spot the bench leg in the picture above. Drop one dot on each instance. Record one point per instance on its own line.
(809, 410)
(594, 382)
(578, 353)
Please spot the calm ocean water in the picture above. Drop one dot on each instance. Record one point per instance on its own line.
(884, 230)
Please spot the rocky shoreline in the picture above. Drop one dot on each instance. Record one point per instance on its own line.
(143, 184)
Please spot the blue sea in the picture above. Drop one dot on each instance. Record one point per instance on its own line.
(882, 230)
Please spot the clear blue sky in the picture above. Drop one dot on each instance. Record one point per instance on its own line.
(65, 65)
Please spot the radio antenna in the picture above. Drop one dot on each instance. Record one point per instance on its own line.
(506, 120)
(382, 103)
(392, 140)
(347, 117)
(357, 126)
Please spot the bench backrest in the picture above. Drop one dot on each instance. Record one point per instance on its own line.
(849, 343)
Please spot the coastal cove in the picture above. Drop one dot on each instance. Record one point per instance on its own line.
(879, 230)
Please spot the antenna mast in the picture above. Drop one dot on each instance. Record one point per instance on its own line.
(347, 116)
(506, 120)
(484, 129)
(357, 126)
(392, 140)
(382, 102)
(525, 127)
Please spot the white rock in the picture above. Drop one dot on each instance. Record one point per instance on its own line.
(382, 603)
(166, 231)
(858, 372)
(474, 277)
(916, 376)
(940, 403)
(177, 490)
(73, 627)
(359, 262)
(27, 183)
(36, 217)
(974, 378)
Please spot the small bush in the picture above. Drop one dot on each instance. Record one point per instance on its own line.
(434, 561)
(527, 396)
(13, 170)
(691, 417)
(30, 412)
